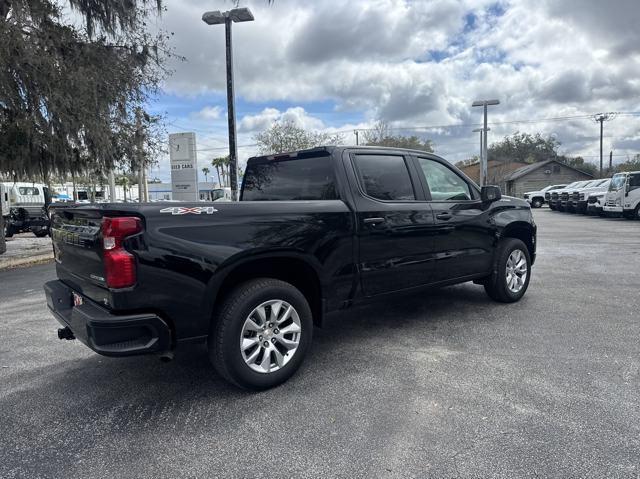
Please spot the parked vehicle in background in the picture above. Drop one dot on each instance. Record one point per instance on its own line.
(555, 195)
(537, 198)
(595, 203)
(314, 232)
(568, 194)
(221, 194)
(623, 196)
(26, 208)
(580, 196)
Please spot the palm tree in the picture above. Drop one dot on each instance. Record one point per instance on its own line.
(219, 164)
(205, 170)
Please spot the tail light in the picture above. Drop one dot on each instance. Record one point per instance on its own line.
(119, 264)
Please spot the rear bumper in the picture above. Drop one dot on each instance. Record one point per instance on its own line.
(106, 333)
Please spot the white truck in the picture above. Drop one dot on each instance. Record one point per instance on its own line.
(537, 198)
(623, 196)
(24, 208)
(580, 197)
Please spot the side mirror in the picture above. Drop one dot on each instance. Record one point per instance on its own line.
(627, 188)
(489, 194)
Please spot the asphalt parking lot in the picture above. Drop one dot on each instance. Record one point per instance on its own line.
(447, 384)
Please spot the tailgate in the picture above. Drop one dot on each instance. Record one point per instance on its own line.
(77, 246)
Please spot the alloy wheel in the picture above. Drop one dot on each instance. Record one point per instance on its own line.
(517, 271)
(270, 336)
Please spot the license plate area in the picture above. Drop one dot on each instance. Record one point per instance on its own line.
(76, 299)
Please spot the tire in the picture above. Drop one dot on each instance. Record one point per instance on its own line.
(537, 203)
(41, 233)
(8, 231)
(497, 286)
(229, 327)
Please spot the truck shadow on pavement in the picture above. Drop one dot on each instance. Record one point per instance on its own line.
(141, 393)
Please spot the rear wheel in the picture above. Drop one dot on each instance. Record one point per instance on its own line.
(261, 334)
(512, 271)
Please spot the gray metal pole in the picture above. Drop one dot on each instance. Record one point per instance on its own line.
(481, 155)
(601, 130)
(485, 158)
(231, 110)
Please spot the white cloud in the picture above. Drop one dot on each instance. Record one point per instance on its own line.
(209, 113)
(424, 62)
(297, 115)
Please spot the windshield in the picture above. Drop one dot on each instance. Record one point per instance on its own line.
(617, 182)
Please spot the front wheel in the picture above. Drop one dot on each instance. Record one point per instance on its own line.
(537, 203)
(511, 273)
(261, 334)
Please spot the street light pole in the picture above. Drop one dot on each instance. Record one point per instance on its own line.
(216, 18)
(484, 157)
(482, 172)
(231, 113)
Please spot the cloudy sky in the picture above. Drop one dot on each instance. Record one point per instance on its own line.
(418, 64)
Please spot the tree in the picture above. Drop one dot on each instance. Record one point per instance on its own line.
(221, 164)
(380, 135)
(68, 94)
(524, 148)
(629, 165)
(205, 171)
(284, 136)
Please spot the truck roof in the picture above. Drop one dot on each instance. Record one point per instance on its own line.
(328, 150)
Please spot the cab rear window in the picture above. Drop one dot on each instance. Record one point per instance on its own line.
(290, 180)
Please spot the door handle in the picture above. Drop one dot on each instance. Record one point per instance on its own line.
(373, 221)
(444, 216)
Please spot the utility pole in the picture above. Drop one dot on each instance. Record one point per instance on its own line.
(601, 118)
(356, 133)
(611, 162)
(484, 157)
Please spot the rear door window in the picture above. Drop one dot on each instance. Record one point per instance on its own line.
(290, 180)
(385, 177)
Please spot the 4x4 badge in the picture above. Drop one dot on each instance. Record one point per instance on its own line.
(183, 210)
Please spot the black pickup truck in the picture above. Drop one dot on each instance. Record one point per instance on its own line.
(314, 232)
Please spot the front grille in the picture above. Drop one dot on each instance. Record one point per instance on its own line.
(526, 197)
(611, 203)
(547, 196)
(554, 196)
(564, 197)
(575, 195)
(592, 200)
(581, 197)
